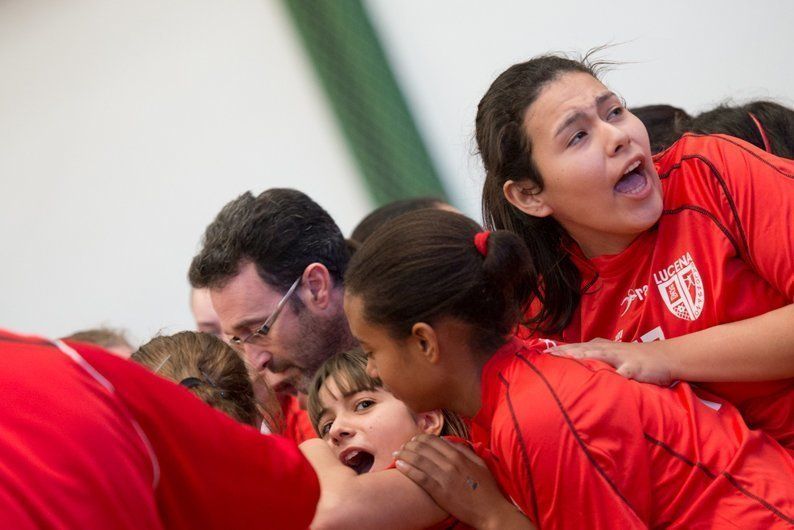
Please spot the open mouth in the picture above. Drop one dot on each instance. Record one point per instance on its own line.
(358, 460)
(633, 180)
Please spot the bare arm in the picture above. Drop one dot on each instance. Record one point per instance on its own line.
(383, 499)
(756, 349)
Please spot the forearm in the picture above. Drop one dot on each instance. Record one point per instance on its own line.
(756, 349)
(383, 499)
(508, 518)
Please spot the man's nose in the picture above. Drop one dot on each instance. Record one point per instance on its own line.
(257, 357)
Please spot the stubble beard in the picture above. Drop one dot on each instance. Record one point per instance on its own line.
(319, 339)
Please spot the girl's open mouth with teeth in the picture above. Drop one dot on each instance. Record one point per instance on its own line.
(633, 180)
(358, 460)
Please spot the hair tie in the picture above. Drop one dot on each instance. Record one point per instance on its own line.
(757, 122)
(481, 242)
(191, 382)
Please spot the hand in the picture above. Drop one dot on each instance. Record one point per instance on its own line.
(459, 482)
(644, 362)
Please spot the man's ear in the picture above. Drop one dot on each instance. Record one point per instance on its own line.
(430, 422)
(318, 285)
(527, 197)
(426, 339)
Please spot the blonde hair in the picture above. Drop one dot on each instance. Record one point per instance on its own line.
(349, 372)
(208, 367)
(102, 336)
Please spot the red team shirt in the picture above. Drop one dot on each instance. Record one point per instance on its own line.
(297, 425)
(90, 440)
(722, 251)
(582, 447)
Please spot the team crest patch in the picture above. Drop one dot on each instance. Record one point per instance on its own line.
(681, 288)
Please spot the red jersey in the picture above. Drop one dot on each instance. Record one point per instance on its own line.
(582, 447)
(90, 440)
(297, 425)
(722, 251)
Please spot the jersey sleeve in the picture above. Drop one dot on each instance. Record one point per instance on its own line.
(758, 203)
(213, 472)
(549, 467)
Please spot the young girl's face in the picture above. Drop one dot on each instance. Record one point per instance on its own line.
(364, 428)
(392, 361)
(594, 156)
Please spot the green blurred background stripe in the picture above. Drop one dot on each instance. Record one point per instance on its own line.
(369, 106)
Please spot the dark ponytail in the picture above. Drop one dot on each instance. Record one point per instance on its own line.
(424, 266)
(506, 152)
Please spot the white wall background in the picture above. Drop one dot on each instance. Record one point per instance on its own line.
(126, 125)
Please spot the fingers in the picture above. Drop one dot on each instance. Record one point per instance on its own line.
(627, 371)
(466, 451)
(421, 477)
(436, 457)
(433, 444)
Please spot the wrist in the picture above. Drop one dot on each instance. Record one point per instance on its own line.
(664, 352)
(506, 517)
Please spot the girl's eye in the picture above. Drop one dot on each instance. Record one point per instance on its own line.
(364, 404)
(325, 428)
(617, 111)
(577, 138)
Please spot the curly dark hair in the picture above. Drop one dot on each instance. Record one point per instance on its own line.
(281, 231)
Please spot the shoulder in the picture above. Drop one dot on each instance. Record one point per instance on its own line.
(542, 393)
(711, 147)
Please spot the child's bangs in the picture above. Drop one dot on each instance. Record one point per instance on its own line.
(349, 372)
(350, 375)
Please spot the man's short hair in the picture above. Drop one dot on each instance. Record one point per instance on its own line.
(281, 231)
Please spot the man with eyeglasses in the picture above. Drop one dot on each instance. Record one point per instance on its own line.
(273, 265)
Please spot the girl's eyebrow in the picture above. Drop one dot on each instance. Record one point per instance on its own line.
(580, 114)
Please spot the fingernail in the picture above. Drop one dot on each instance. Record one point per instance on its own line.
(395, 453)
(400, 464)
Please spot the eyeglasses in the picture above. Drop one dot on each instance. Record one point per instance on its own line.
(265, 329)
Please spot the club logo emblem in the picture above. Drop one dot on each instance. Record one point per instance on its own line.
(681, 288)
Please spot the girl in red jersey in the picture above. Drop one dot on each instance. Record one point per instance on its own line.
(92, 441)
(434, 304)
(361, 425)
(693, 246)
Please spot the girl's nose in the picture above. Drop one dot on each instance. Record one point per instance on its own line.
(618, 138)
(340, 431)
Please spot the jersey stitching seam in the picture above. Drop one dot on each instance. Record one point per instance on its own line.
(578, 439)
(728, 197)
(523, 446)
(710, 474)
(743, 148)
(711, 216)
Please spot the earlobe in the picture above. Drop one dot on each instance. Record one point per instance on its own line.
(431, 422)
(527, 197)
